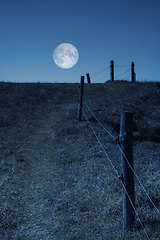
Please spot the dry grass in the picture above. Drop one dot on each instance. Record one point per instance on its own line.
(56, 182)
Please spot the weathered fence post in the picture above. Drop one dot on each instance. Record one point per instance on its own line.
(88, 78)
(112, 70)
(81, 98)
(126, 138)
(133, 75)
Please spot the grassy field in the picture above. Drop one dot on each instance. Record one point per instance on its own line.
(55, 180)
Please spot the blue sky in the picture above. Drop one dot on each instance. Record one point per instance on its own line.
(101, 30)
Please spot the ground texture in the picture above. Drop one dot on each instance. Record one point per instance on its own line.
(55, 180)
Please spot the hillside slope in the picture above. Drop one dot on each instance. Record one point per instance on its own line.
(56, 182)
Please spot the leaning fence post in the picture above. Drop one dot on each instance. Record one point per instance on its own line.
(88, 78)
(126, 139)
(81, 98)
(112, 70)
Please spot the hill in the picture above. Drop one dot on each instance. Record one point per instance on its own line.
(56, 182)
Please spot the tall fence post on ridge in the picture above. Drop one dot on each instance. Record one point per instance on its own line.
(126, 141)
(88, 78)
(81, 98)
(133, 75)
(112, 70)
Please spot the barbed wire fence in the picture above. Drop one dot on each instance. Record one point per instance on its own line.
(127, 74)
(116, 172)
(116, 138)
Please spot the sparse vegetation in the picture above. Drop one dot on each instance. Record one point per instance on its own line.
(55, 180)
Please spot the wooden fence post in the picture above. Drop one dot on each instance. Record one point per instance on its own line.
(126, 139)
(81, 98)
(133, 75)
(88, 78)
(112, 70)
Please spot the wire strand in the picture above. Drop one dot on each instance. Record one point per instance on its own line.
(135, 211)
(122, 65)
(99, 121)
(122, 73)
(138, 179)
(99, 72)
(102, 77)
(116, 174)
(123, 155)
(100, 143)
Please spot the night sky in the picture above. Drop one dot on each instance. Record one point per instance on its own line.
(101, 30)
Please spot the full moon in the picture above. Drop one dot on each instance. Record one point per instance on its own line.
(65, 55)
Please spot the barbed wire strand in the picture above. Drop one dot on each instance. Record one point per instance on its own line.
(122, 73)
(103, 77)
(98, 120)
(157, 90)
(99, 72)
(115, 172)
(122, 66)
(100, 143)
(135, 211)
(115, 138)
(138, 179)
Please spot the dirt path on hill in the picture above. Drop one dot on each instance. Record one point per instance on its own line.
(45, 189)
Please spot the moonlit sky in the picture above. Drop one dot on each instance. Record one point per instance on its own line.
(101, 30)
